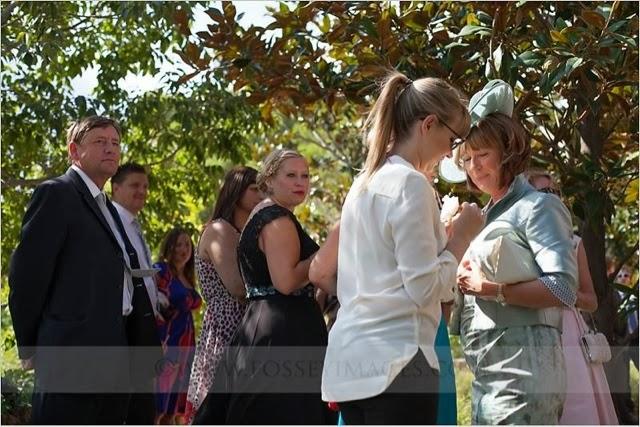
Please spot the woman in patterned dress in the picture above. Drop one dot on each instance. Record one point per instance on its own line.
(220, 281)
(511, 316)
(176, 281)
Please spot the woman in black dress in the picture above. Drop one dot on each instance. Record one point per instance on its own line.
(271, 372)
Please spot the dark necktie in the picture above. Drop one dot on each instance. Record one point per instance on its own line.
(147, 255)
(142, 334)
(101, 199)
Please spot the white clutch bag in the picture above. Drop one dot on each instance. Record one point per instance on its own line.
(595, 347)
(504, 259)
(594, 344)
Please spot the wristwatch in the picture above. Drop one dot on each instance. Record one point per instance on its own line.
(500, 295)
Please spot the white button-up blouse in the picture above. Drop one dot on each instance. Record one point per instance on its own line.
(393, 273)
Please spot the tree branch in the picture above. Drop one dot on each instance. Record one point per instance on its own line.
(609, 132)
(21, 182)
(86, 18)
(633, 176)
(7, 11)
(545, 142)
(334, 152)
(165, 159)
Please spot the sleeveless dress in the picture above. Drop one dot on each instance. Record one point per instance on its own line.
(447, 401)
(221, 318)
(177, 335)
(588, 400)
(447, 405)
(271, 371)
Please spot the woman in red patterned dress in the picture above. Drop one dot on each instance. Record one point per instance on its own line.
(176, 281)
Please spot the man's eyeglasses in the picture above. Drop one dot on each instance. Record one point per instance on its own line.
(549, 190)
(456, 140)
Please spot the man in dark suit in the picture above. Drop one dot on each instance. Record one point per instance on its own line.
(76, 310)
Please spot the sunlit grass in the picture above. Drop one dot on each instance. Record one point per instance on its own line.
(464, 377)
(633, 380)
(463, 390)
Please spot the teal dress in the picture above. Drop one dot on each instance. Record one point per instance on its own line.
(447, 407)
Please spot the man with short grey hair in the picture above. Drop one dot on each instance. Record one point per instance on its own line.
(75, 308)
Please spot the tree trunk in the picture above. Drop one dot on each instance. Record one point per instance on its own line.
(607, 319)
(593, 236)
(608, 322)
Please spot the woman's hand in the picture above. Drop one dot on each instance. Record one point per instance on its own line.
(463, 228)
(471, 281)
(467, 222)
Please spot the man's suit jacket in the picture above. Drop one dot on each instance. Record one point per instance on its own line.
(66, 285)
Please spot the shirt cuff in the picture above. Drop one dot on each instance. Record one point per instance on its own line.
(560, 289)
(447, 254)
(451, 287)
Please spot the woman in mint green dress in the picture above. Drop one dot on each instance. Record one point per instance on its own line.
(517, 274)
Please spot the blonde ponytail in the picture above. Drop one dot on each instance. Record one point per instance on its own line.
(400, 103)
(379, 127)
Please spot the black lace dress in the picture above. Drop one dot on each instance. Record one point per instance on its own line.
(271, 372)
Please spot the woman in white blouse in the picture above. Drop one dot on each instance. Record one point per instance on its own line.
(395, 265)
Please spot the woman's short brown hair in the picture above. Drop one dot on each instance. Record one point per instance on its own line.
(503, 133)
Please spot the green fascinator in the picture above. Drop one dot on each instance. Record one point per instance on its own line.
(495, 97)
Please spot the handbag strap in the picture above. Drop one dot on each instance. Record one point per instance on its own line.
(579, 320)
(594, 326)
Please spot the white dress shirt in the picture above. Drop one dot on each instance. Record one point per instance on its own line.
(137, 240)
(393, 273)
(127, 307)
